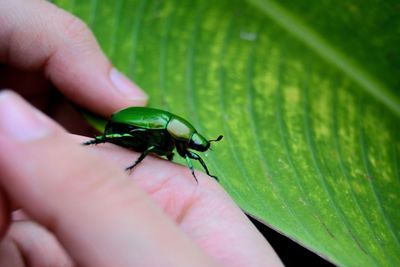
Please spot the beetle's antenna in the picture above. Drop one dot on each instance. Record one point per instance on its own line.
(216, 140)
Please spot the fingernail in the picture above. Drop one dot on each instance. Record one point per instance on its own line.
(126, 87)
(19, 120)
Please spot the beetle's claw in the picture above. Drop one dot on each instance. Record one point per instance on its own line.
(215, 177)
(129, 169)
(194, 175)
(95, 141)
(197, 181)
(90, 142)
(170, 156)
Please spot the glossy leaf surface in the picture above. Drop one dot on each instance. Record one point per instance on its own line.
(304, 94)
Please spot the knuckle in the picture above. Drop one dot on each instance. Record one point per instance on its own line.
(75, 30)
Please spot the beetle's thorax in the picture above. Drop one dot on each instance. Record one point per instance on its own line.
(179, 129)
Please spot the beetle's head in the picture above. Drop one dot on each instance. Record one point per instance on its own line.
(199, 143)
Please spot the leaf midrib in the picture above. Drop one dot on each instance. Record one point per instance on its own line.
(310, 38)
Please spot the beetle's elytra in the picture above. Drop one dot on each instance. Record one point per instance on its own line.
(149, 130)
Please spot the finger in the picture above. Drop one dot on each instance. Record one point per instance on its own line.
(36, 35)
(88, 203)
(36, 246)
(204, 211)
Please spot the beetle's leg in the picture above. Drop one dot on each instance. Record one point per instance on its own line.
(137, 130)
(186, 154)
(193, 155)
(170, 156)
(105, 138)
(190, 165)
(97, 140)
(141, 157)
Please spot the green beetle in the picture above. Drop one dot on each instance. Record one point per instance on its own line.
(150, 130)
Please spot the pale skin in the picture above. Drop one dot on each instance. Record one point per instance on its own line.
(63, 204)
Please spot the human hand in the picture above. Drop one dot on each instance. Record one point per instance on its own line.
(82, 209)
(158, 216)
(42, 47)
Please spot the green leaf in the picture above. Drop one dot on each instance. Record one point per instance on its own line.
(305, 96)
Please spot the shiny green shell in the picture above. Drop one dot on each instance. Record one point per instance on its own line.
(155, 119)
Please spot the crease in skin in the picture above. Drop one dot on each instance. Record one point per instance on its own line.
(24, 258)
(158, 187)
(10, 254)
(177, 204)
(186, 208)
(37, 245)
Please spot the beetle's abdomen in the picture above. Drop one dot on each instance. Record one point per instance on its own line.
(139, 139)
